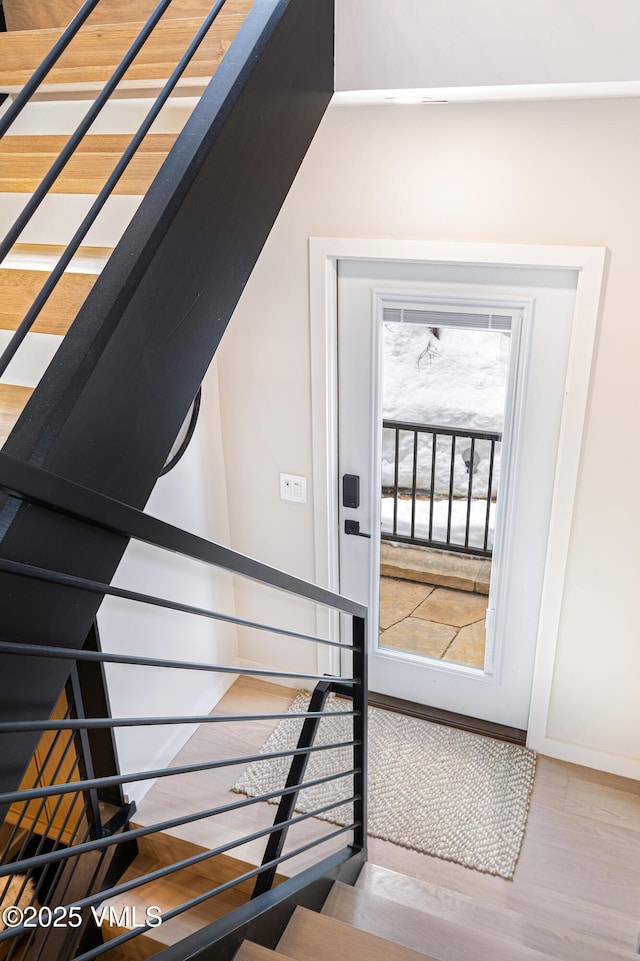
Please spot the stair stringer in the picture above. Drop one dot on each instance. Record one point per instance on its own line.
(108, 408)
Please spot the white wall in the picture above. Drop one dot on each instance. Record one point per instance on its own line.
(412, 43)
(544, 173)
(192, 496)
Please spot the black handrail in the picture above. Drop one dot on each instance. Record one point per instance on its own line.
(33, 484)
(422, 428)
(48, 490)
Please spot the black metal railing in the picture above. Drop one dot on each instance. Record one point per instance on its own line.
(42, 821)
(435, 498)
(79, 865)
(36, 486)
(70, 148)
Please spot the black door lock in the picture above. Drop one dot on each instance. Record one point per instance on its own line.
(353, 527)
(351, 490)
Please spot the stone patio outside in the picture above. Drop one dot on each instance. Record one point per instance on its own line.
(433, 604)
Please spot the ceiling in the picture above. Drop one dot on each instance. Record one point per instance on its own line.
(494, 50)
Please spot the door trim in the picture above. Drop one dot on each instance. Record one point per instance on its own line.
(589, 262)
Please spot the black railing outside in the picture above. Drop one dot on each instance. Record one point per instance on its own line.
(444, 498)
(37, 486)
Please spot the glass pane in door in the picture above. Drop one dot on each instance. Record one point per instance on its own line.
(443, 414)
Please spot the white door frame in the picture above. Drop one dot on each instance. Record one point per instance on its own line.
(589, 262)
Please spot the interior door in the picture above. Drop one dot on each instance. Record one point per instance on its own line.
(539, 304)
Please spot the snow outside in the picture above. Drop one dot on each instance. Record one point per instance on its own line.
(446, 377)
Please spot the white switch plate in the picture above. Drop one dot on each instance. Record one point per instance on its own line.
(293, 488)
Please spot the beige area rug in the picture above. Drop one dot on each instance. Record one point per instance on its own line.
(455, 795)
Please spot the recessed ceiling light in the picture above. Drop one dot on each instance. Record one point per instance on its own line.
(408, 98)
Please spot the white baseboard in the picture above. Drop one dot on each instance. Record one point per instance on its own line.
(246, 662)
(587, 757)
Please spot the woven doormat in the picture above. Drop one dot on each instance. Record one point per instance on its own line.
(452, 794)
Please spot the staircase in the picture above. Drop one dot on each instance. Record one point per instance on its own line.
(146, 260)
(387, 916)
(124, 911)
(150, 288)
(21, 278)
(34, 142)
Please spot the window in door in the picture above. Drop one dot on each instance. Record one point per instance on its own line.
(444, 392)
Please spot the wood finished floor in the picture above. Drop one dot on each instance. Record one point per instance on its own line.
(580, 856)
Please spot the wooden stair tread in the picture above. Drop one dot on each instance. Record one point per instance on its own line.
(168, 848)
(58, 13)
(167, 893)
(50, 145)
(249, 951)
(316, 937)
(97, 50)
(419, 930)
(538, 902)
(83, 174)
(25, 160)
(18, 289)
(13, 400)
(498, 932)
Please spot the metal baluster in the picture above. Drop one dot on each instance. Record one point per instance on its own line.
(83, 748)
(360, 727)
(275, 842)
(415, 478)
(52, 884)
(395, 484)
(434, 442)
(470, 491)
(82, 820)
(489, 485)
(47, 831)
(25, 806)
(453, 458)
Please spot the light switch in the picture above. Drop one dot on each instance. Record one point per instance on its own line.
(293, 488)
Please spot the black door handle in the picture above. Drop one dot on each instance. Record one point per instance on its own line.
(353, 527)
